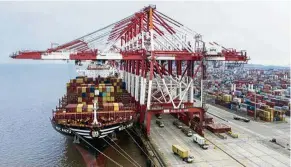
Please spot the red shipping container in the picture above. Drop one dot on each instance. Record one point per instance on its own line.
(71, 108)
(79, 90)
(250, 113)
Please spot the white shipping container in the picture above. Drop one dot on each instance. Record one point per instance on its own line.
(243, 109)
(237, 100)
(96, 92)
(200, 140)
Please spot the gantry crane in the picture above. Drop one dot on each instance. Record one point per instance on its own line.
(161, 61)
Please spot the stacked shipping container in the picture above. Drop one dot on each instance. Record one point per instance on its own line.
(111, 97)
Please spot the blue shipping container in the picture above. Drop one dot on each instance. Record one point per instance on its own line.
(83, 94)
(123, 86)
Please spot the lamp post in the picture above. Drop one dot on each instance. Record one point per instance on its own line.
(255, 116)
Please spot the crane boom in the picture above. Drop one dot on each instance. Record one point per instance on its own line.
(171, 41)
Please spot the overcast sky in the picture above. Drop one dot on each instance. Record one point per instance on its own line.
(261, 28)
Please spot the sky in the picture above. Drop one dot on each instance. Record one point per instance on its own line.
(262, 28)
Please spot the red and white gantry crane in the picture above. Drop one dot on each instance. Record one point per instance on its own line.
(159, 57)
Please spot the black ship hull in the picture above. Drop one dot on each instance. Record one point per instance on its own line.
(95, 137)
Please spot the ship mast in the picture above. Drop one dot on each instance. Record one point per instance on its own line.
(95, 107)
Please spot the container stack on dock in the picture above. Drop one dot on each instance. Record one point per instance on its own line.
(264, 93)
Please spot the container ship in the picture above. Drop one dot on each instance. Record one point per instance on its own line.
(94, 108)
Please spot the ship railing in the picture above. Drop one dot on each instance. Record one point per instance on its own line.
(109, 118)
(74, 123)
(81, 115)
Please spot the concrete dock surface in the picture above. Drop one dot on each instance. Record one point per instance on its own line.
(251, 148)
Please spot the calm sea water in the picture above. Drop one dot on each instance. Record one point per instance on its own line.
(28, 94)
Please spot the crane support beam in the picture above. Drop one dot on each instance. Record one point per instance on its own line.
(92, 55)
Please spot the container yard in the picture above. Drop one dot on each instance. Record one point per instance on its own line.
(262, 94)
(182, 100)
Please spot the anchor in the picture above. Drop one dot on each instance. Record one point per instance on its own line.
(113, 136)
(76, 140)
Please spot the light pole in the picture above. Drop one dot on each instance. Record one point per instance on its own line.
(255, 117)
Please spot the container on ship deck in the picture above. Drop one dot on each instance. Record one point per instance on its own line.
(92, 89)
(79, 80)
(112, 99)
(79, 107)
(80, 100)
(88, 108)
(83, 89)
(71, 108)
(90, 80)
(123, 86)
(79, 90)
(108, 107)
(112, 106)
(91, 95)
(90, 100)
(87, 85)
(84, 94)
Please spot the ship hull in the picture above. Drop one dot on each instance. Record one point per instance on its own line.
(90, 134)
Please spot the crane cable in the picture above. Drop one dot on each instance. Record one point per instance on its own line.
(104, 27)
(101, 29)
(134, 162)
(96, 149)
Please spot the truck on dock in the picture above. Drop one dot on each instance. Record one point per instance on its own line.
(220, 135)
(160, 123)
(182, 153)
(240, 118)
(187, 131)
(233, 135)
(200, 141)
(178, 124)
(159, 116)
